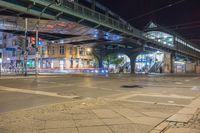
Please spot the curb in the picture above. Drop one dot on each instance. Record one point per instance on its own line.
(182, 117)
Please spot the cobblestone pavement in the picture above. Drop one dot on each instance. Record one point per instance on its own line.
(86, 116)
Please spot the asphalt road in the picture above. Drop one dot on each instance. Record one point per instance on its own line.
(171, 90)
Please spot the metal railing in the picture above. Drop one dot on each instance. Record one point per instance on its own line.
(102, 19)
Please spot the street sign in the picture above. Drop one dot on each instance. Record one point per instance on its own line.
(10, 49)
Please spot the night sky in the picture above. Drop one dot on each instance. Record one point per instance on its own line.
(183, 18)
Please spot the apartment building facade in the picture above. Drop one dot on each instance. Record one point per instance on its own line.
(67, 56)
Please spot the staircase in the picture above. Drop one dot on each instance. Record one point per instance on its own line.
(155, 67)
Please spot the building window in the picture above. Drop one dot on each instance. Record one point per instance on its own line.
(82, 51)
(70, 50)
(52, 50)
(62, 50)
(49, 50)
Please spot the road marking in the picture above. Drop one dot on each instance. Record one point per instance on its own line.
(195, 88)
(170, 101)
(169, 86)
(187, 80)
(36, 92)
(107, 89)
(52, 82)
(178, 83)
(159, 103)
(156, 95)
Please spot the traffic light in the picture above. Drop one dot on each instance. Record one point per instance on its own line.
(40, 42)
(33, 42)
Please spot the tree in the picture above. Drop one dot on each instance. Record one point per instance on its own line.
(113, 59)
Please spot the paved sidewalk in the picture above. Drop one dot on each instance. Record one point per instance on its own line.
(102, 116)
(86, 116)
(186, 120)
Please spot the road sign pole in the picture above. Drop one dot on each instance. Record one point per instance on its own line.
(37, 54)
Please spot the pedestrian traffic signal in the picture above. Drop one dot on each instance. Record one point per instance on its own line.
(33, 42)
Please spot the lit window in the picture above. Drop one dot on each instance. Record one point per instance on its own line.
(62, 50)
(52, 50)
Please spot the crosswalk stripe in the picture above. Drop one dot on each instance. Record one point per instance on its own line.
(36, 92)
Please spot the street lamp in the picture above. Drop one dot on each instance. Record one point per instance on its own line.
(57, 2)
(88, 49)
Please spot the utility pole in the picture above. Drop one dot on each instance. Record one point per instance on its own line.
(25, 46)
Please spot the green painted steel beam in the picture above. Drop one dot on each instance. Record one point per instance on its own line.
(74, 12)
(25, 10)
(63, 9)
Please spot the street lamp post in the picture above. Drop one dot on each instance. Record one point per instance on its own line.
(24, 47)
(36, 35)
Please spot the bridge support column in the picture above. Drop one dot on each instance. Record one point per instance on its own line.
(100, 61)
(132, 62)
(172, 59)
(197, 69)
(100, 56)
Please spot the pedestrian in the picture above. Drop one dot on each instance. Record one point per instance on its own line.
(160, 69)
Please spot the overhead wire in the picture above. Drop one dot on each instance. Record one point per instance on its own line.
(184, 27)
(156, 10)
(183, 24)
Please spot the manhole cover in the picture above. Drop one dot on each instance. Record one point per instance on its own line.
(131, 86)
